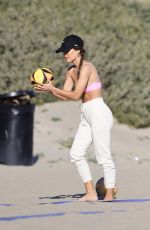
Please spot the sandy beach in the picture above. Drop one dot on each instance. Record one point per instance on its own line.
(44, 196)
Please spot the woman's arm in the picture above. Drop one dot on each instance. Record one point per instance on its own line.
(68, 85)
(80, 86)
(66, 92)
(59, 97)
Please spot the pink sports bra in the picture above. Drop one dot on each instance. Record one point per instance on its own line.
(93, 86)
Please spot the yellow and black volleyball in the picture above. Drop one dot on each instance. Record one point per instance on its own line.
(42, 76)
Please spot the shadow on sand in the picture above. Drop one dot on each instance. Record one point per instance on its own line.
(74, 196)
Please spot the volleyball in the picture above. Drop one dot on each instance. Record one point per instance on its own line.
(42, 76)
(100, 188)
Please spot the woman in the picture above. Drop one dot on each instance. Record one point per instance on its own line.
(82, 82)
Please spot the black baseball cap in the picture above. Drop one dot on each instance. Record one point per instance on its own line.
(70, 42)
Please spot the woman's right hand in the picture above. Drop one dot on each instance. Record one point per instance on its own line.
(44, 87)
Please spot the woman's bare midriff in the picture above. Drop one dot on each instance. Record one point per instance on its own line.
(91, 95)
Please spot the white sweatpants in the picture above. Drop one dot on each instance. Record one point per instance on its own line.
(95, 126)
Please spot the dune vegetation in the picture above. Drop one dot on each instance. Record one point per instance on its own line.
(117, 41)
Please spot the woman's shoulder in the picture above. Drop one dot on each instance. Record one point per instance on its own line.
(89, 66)
(71, 68)
(71, 73)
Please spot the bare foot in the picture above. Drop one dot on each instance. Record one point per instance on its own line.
(110, 194)
(89, 197)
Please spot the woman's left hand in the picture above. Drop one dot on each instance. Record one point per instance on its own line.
(44, 87)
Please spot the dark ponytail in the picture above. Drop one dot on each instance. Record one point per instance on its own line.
(82, 52)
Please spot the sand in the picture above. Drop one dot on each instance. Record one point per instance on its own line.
(44, 196)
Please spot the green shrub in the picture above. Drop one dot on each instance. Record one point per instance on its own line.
(116, 34)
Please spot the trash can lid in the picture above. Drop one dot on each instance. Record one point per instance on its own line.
(18, 93)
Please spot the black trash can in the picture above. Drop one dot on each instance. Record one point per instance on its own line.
(16, 127)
